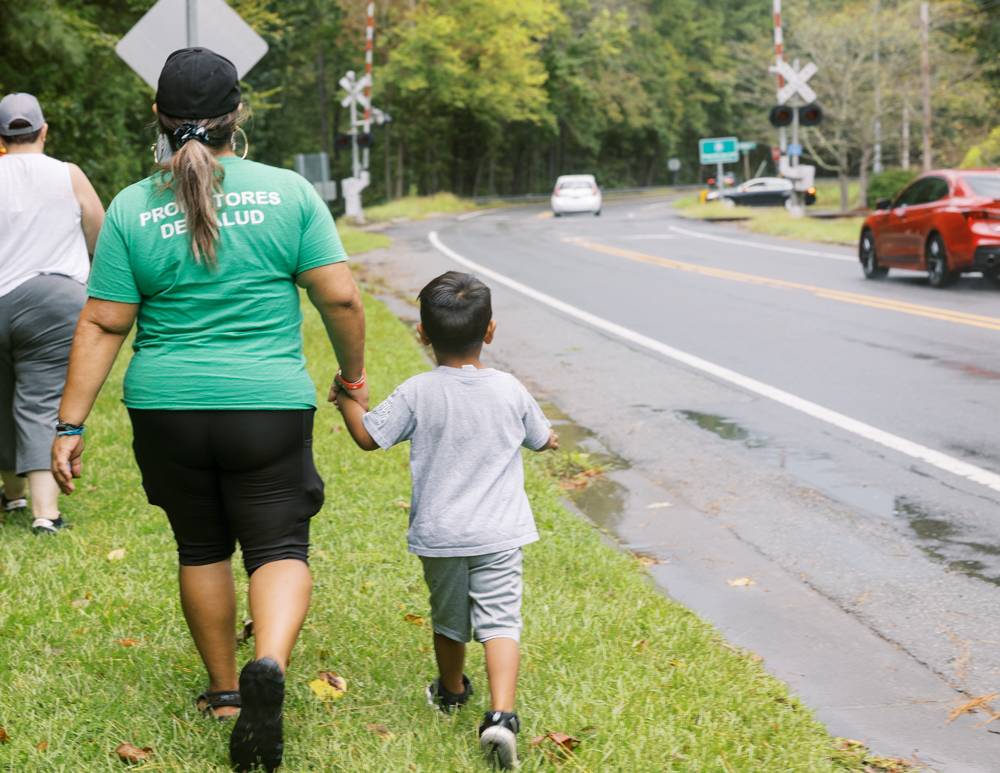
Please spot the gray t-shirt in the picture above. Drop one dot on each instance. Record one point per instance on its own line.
(466, 427)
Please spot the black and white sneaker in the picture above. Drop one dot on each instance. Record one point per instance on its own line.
(498, 738)
(12, 505)
(48, 526)
(257, 739)
(440, 698)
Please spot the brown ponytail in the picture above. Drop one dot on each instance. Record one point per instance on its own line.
(195, 176)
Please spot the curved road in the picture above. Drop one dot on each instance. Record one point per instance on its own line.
(836, 439)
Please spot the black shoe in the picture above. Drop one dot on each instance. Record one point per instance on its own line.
(448, 702)
(498, 738)
(257, 736)
(47, 526)
(12, 505)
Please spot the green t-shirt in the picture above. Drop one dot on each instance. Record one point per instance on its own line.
(227, 336)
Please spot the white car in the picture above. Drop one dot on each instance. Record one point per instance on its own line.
(576, 193)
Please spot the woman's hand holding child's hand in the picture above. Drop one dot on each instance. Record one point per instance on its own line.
(553, 443)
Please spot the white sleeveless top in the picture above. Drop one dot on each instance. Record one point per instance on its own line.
(40, 231)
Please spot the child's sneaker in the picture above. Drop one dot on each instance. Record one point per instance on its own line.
(448, 702)
(48, 526)
(10, 505)
(498, 738)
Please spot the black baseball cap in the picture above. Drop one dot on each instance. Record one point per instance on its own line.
(197, 83)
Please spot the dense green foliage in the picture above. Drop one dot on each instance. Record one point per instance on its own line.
(986, 153)
(885, 185)
(498, 97)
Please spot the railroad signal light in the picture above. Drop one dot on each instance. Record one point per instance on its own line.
(782, 115)
(342, 141)
(810, 115)
(366, 141)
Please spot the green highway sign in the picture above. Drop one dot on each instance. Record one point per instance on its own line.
(719, 150)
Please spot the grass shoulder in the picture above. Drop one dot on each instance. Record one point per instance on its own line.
(774, 221)
(96, 651)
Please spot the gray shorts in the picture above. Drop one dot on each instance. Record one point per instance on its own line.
(476, 592)
(37, 320)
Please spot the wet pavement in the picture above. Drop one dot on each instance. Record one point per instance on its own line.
(874, 577)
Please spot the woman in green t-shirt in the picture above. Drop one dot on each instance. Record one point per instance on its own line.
(207, 256)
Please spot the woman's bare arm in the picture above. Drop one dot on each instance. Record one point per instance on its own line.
(102, 328)
(333, 292)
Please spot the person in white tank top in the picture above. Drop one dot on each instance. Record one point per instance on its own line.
(50, 217)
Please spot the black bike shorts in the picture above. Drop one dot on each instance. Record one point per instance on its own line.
(223, 476)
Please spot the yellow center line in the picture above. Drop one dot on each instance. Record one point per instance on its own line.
(872, 301)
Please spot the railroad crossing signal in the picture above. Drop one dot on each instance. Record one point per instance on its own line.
(173, 24)
(355, 88)
(796, 81)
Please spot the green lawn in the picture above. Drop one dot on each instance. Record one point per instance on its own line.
(418, 207)
(357, 240)
(95, 652)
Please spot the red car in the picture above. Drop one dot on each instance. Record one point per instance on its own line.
(945, 222)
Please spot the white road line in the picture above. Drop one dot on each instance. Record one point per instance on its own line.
(902, 445)
(768, 247)
(648, 237)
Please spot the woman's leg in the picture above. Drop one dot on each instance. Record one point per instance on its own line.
(279, 599)
(208, 598)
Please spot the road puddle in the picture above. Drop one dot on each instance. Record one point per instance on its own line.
(601, 498)
(937, 536)
(943, 542)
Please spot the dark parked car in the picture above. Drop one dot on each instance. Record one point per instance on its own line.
(764, 192)
(946, 223)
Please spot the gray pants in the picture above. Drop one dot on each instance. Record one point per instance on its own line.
(37, 320)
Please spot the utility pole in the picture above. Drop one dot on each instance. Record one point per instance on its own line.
(925, 79)
(369, 46)
(192, 23)
(779, 52)
(904, 140)
(877, 157)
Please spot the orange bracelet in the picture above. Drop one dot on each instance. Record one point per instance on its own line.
(351, 385)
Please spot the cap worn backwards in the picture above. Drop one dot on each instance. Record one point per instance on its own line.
(197, 83)
(20, 107)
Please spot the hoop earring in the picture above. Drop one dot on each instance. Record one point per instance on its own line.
(246, 141)
(162, 150)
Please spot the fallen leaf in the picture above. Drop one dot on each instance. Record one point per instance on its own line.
(128, 642)
(380, 730)
(741, 582)
(581, 479)
(564, 744)
(42, 745)
(4, 738)
(132, 754)
(402, 505)
(645, 560)
(336, 429)
(247, 633)
(640, 645)
(982, 702)
(415, 619)
(80, 603)
(334, 679)
(658, 505)
(117, 554)
(324, 690)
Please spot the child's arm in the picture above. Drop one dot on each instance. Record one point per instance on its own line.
(552, 444)
(353, 414)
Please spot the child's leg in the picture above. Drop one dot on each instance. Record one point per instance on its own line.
(450, 655)
(495, 588)
(503, 659)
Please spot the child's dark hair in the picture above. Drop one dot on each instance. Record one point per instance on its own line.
(455, 311)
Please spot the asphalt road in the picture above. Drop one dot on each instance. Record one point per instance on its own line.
(779, 418)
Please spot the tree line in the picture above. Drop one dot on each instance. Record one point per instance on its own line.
(492, 97)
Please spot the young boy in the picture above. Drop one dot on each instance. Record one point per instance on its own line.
(469, 515)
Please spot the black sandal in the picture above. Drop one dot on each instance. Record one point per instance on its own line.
(208, 702)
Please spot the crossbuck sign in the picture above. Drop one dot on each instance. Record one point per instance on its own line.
(796, 81)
